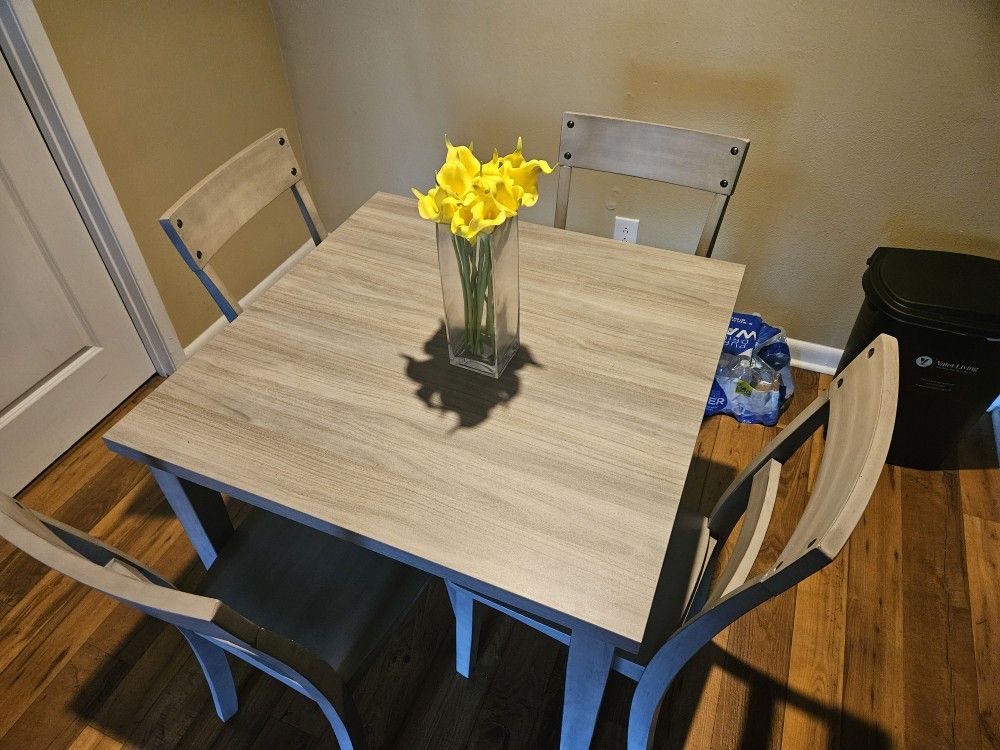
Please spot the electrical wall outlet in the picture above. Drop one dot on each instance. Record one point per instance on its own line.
(626, 230)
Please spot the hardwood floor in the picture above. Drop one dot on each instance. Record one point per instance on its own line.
(894, 645)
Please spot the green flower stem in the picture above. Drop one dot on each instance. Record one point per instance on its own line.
(473, 320)
(490, 305)
(460, 246)
(482, 280)
(475, 271)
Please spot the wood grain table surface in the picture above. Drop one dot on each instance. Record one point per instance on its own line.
(331, 398)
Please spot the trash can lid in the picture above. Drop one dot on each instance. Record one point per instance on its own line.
(948, 291)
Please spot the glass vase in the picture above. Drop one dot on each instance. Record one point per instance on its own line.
(479, 284)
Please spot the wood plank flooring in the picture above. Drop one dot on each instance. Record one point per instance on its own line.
(894, 645)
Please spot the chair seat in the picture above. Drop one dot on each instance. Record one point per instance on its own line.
(333, 597)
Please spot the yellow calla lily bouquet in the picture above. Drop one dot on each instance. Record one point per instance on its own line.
(475, 206)
(473, 198)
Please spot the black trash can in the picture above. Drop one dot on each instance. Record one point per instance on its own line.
(944, 309)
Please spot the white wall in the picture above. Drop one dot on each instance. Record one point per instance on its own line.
(871, 122)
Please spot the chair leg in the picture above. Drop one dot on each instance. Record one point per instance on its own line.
(346, 723)
(642, 720)
(466, 628)
(200, 511)
(656, 679)
(303, 671)
(218, 675)
(590, 660)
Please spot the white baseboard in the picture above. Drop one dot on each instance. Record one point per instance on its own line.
(816, 357)
(253, 294)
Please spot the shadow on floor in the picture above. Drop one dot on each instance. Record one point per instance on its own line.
(843, 729)
(149, 689)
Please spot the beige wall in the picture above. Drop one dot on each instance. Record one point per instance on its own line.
(170, 90)
(871, 122)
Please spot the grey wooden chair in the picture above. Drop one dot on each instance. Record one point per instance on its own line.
(689, 158)
(694, 600)
(213, 210)
(305, 607)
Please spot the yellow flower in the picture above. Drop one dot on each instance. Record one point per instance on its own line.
(505, 196)
(487, 214)
(473, 198)
(515, 158)
(524, 175)
(437, 205)
(460, 168)
(461, 220)
(491, 169)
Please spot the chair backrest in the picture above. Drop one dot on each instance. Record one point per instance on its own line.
(213, 210)
(95, 564)
(690, 158)
(859, 410)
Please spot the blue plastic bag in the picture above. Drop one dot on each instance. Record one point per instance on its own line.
(754, 379)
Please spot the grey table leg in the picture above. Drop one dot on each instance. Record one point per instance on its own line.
(466, 628)
(200, 511)
(587, 671)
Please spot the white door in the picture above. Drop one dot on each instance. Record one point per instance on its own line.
(68, 350)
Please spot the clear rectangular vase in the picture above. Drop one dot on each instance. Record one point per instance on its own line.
(479, 283)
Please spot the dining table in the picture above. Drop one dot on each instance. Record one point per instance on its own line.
(553, 489)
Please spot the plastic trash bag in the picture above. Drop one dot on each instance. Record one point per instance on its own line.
(754, 379)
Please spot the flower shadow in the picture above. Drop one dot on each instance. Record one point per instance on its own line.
(469, 395)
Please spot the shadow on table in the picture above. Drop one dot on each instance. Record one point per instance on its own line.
(469, 395)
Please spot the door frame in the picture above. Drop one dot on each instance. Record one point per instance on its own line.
(33, 62)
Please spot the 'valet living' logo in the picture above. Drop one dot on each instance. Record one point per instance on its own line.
(925, 361)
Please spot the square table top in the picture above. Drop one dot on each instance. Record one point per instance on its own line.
(332, 396)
